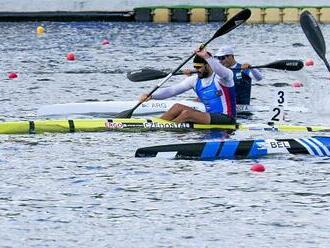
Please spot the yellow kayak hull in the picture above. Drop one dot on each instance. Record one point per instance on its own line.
(136, 124)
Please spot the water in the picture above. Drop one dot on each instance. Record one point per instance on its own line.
(87, 189)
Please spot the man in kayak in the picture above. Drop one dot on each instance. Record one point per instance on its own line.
(242, 74)
(213, 84)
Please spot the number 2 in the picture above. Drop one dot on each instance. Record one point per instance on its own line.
(277, 113)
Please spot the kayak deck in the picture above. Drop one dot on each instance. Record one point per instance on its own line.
(152, 107)
(136, 124)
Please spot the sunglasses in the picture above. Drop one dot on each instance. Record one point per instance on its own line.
(220, 57)
(197, 67)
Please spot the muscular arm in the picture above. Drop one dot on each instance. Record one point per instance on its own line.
(223, 72)
(177, 89)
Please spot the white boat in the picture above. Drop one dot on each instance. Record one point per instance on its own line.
(153, 107)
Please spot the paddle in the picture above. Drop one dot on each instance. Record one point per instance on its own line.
(147, 74)
(231, 24)
(285, 64)
(314, 35)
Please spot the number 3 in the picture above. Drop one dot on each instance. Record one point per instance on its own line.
(280, 99)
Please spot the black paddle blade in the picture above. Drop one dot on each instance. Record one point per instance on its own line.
(286, 64)
(314, 35)
(146, 74)
(234, 22)
(313, 32)
(126, 114)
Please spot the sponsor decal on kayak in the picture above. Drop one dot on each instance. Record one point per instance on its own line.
(120, 125)
(279, 144)
(156, 105)
(241, 108)
(113, 125)
(166, 125)
(272, 144)
(148, 125)
(261, 145)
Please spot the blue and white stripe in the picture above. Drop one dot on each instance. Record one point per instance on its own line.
(314, 146)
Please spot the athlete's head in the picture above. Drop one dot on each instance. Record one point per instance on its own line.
(201, 66)
(226, 56)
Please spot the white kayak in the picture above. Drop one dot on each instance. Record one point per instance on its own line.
(152, 107)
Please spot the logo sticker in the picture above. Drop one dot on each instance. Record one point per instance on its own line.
(112, 125)
(279, 144)
(167, 125)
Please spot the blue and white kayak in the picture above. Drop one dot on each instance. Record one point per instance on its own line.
(239, 149)
(153, 107)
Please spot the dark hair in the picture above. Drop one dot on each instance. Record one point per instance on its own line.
(199, 60)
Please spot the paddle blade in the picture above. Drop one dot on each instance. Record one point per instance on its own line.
(286, 64)
(125, 114)
(234, 22)
(313, 32)
(314, 35)
(146, 74)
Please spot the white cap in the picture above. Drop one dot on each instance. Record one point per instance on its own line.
(225, 50)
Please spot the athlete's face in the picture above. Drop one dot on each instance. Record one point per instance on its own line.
(202, 71)
(226, 60)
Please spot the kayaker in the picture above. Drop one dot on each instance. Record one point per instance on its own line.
(242, 74)
(213, 84)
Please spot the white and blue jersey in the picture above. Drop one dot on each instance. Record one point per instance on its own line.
(216, 97)
(217, 91)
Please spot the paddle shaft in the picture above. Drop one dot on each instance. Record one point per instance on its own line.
(326, 63)
(288, 64)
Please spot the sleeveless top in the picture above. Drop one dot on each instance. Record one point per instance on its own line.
(242, 84)
(216, 97)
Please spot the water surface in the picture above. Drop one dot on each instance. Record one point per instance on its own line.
(87, 189)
